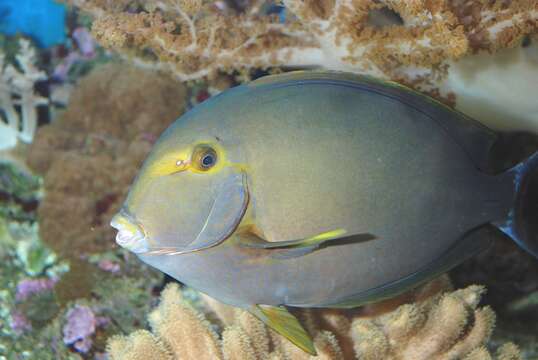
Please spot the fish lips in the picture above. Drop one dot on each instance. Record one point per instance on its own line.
(131, 234)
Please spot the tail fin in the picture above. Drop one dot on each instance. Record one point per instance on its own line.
(522, 223)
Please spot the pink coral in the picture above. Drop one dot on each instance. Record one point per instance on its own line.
(29, 287)
(109, 266)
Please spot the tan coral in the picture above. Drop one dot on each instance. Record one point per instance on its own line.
(449, 49)
(198, 40)
(140, 345)
(428, 323)
(195, 39)
(194, 338)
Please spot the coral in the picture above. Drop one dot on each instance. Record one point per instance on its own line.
(35, 311)
(492, 88)
(19, 323)
(85, 51)
(19, 193)
(17, 91)
(38, 309)
(31, 253)
(190, 36)
(442, 47)
(30, 287)
(507, 270)
(27, 275)
(41, 295)
(429, 323)
(110, 266)
(81, 324)
(90, 154)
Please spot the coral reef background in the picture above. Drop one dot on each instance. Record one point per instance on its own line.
(432, 323)
(77, 119)
(450, 49)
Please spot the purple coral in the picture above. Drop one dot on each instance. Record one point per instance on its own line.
(30, 287)
(85, 51)
(80, 326)
(85, 42)
(19, 323)
(84, 345)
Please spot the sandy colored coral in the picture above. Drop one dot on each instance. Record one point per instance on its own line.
(196, 38)
(473, 55)
(432, 322)
(91, 153)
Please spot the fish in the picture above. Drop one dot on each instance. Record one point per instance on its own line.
(321, 189)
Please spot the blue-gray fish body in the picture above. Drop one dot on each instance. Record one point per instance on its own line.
(322, 190)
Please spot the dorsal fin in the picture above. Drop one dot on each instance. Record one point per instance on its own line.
(474, 138)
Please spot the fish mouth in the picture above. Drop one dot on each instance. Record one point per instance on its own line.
(131, 234)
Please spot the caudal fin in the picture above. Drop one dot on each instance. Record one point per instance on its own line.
(522, 224)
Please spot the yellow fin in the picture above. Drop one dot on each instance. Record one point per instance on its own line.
(301, 247)
(308, 242)
(280, 320)
(317, 239)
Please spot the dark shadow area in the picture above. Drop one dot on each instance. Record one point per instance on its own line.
(385, 16)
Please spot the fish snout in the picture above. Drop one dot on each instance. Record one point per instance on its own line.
(131, 234)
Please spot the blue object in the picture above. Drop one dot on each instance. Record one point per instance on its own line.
(42, 20)
(276, 9)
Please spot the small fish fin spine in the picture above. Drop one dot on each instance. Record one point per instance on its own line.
(522, 222)
(283, 322)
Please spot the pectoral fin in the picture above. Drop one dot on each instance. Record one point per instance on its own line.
(313, 241)
(284, 323)
(296, 248)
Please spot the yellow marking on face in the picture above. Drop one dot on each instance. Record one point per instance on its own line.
(171, 163)
(190, 159)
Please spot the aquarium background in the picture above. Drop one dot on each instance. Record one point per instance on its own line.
(86, 90)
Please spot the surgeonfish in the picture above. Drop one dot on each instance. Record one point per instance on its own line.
(321, 189)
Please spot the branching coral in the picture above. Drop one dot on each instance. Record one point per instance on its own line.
(419, 43)
(197, 37)
(433, 323)
(18, 99)
(90, 154)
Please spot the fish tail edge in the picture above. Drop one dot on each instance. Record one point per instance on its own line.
(522, 222)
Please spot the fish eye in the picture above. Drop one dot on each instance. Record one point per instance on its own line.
(205, 157)
(208, 160)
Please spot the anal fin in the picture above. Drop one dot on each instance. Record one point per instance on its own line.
(283, 322)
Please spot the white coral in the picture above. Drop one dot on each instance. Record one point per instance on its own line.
(18, 99)
(500, 89)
